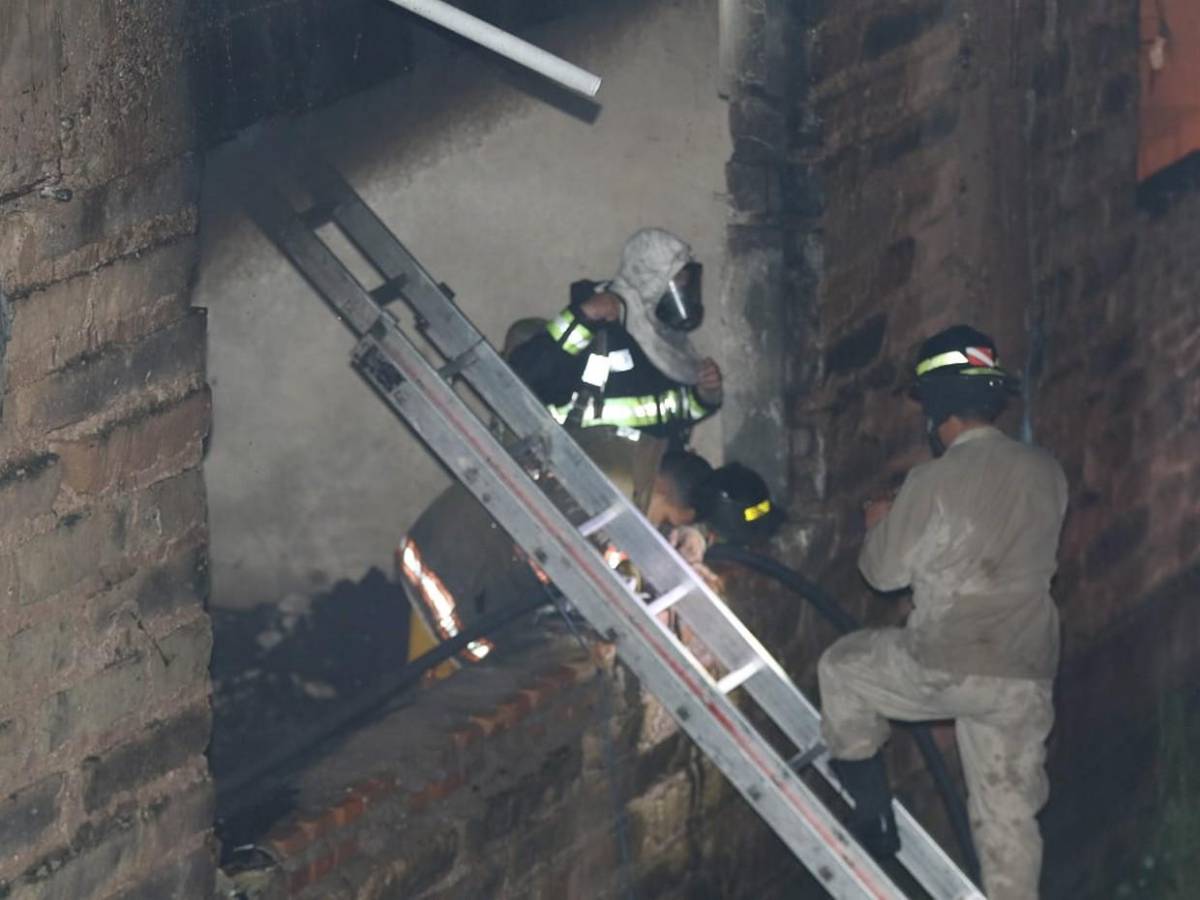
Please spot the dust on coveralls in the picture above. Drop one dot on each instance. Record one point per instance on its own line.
(975, 535)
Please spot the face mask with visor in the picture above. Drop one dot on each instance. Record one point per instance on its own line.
(680, 307)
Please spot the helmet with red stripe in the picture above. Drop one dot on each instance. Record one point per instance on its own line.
(958, 373)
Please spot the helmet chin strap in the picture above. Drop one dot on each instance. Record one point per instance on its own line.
(935, 439)
(934, 408)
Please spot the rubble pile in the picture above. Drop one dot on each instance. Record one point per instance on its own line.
(278, 667)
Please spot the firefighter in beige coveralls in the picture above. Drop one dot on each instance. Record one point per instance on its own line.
(974, 532)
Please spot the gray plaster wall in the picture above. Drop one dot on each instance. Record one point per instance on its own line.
(505, 191)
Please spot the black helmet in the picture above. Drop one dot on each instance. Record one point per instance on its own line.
(958, 373)
(736, 504)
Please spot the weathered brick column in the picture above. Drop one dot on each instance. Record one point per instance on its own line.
(104, 641)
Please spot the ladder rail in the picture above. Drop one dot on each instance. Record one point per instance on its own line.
(309, 254)
(522, 411)
(651, 649)
(453, 335)
(779, 697)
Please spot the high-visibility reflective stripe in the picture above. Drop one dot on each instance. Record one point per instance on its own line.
(437, 599)
(954, 358)
(696, 409)
(571, 334)
(756, 512)
(636, 412)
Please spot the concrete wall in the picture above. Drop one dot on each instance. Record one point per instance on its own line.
(499, 192)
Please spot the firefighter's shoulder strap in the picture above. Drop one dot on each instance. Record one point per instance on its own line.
(556, 504)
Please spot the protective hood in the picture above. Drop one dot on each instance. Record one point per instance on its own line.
(649, 260)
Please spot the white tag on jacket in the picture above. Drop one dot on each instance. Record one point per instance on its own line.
(630, 434)
(620, 360)
(596, 371)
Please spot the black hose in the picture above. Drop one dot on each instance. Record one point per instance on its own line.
(845, 623)
(809, 590)
(242, 789)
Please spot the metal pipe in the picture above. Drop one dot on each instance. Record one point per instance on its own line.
(508, 45)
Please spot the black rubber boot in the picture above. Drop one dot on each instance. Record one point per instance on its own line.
(873, 822)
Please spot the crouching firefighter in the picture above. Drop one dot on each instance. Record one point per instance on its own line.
(732, 507)
(735, 505)
(974, 533)
(617, 364)
(460, 565)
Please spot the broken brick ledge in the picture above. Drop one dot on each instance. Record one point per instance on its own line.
(353, 804)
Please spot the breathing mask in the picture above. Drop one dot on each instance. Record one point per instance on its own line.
(680, 307)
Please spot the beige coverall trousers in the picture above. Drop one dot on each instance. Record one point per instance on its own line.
(1001, 723)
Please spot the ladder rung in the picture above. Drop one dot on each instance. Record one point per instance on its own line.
(806, 758)
(390, 357)
(316, 216)
(738, 677)
(459, 364)
(669, 599)
(595, 523)
(389, 291)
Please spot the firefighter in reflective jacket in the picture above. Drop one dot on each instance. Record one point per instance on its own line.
(974, 533)
(459, 564)
(619, 356)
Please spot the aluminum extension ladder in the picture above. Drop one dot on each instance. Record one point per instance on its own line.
(509, 482)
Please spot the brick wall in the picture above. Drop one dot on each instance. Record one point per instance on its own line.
(1116, 305)
(870, 172)
(904, 133)
(104, 715)
(514, 793)
(893, 170)
(1117, 397)
(976, 162)
(861, 189)
(104, 789)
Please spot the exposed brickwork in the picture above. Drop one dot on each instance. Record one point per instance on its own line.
(517, 801)
(890, 135)
(976, 162)
(1117, 399)
(104, 717)
(894, 169)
